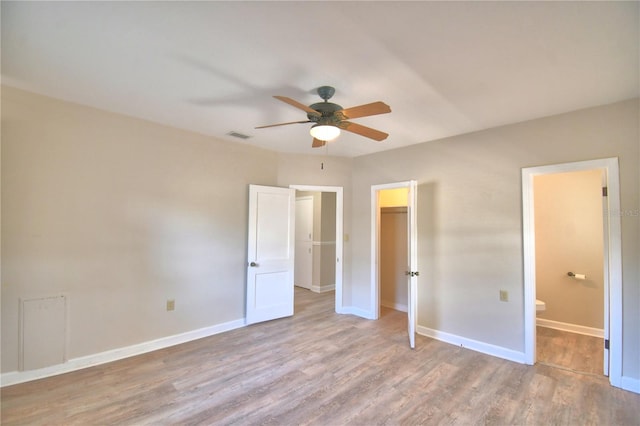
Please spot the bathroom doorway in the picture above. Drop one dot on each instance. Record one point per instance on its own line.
(611, 263)
(570, 284)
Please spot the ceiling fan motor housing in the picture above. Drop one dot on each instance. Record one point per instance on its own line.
(328, 111)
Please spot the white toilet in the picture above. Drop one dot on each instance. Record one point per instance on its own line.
(540, 306)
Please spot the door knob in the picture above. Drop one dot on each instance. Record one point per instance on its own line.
(253, 264)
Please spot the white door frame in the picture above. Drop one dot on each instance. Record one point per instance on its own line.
(613, 258)
(339, 234)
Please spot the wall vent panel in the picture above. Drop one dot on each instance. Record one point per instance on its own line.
(43, 326)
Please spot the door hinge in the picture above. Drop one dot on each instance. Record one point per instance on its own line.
(605, 191)
(606, 344)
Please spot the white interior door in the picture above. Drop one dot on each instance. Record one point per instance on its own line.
(270, 253)
(412, 256)
(303, 275)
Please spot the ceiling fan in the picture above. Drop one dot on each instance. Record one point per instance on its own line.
(329, 118)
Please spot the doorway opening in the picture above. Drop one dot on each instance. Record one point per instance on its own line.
(570, 284)
(315, 245)
(571, 280)
(319, 241)
(393, 249)
(394, 271)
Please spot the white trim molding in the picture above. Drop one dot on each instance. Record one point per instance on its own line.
(631, 384)
(571, 328)
(393, 305)
(352, 310)
(474, 345)
(323, 288)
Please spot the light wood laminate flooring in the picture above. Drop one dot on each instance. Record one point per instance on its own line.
(318, 368)
(572, 351)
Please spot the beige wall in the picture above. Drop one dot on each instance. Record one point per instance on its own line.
(121, 214)
(569, 238)
(470, 219)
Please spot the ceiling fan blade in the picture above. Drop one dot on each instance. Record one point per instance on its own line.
(373, 108)
(317, 143)
(283, 124)
(297, 104)
(363, 130)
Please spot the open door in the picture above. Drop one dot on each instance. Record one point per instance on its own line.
(271, 244)
(412, 271)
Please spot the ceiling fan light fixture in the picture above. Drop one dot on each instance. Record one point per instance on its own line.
(324, 132)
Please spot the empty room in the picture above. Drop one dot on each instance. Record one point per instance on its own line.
(327, 213)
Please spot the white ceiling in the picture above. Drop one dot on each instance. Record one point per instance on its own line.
(445, 68)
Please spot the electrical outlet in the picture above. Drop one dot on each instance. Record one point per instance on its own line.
(171, 305)
(504, 296)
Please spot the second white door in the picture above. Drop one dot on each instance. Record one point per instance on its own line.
(270, 253)
(303, 276)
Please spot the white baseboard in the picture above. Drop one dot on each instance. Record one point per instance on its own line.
(572, 328)
(485, 348)
(15, 377)
(630, 384)
(393, 305)
(357, 312)
(322, 288)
